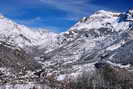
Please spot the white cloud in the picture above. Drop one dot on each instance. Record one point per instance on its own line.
(73, 6)
(75, 9)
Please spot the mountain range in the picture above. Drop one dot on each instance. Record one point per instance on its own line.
(28, 53)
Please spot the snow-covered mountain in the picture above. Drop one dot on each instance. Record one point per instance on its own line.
(18, 47)
(25, 37)
(103, 36)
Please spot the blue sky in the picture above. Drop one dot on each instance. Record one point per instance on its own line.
(57, 15)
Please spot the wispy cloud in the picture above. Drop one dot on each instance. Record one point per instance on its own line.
(73, 6)
(75, 9)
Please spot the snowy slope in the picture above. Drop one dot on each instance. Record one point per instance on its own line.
(24, 37)
(100, 36)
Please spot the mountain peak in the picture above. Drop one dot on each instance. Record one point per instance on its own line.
(101, 11)
(131, 9)
(130, 15)
(127, 16)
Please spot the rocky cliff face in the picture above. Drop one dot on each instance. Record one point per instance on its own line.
(102, 36)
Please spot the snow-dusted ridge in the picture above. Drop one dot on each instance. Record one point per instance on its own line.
(104, 35)
(23, 36)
